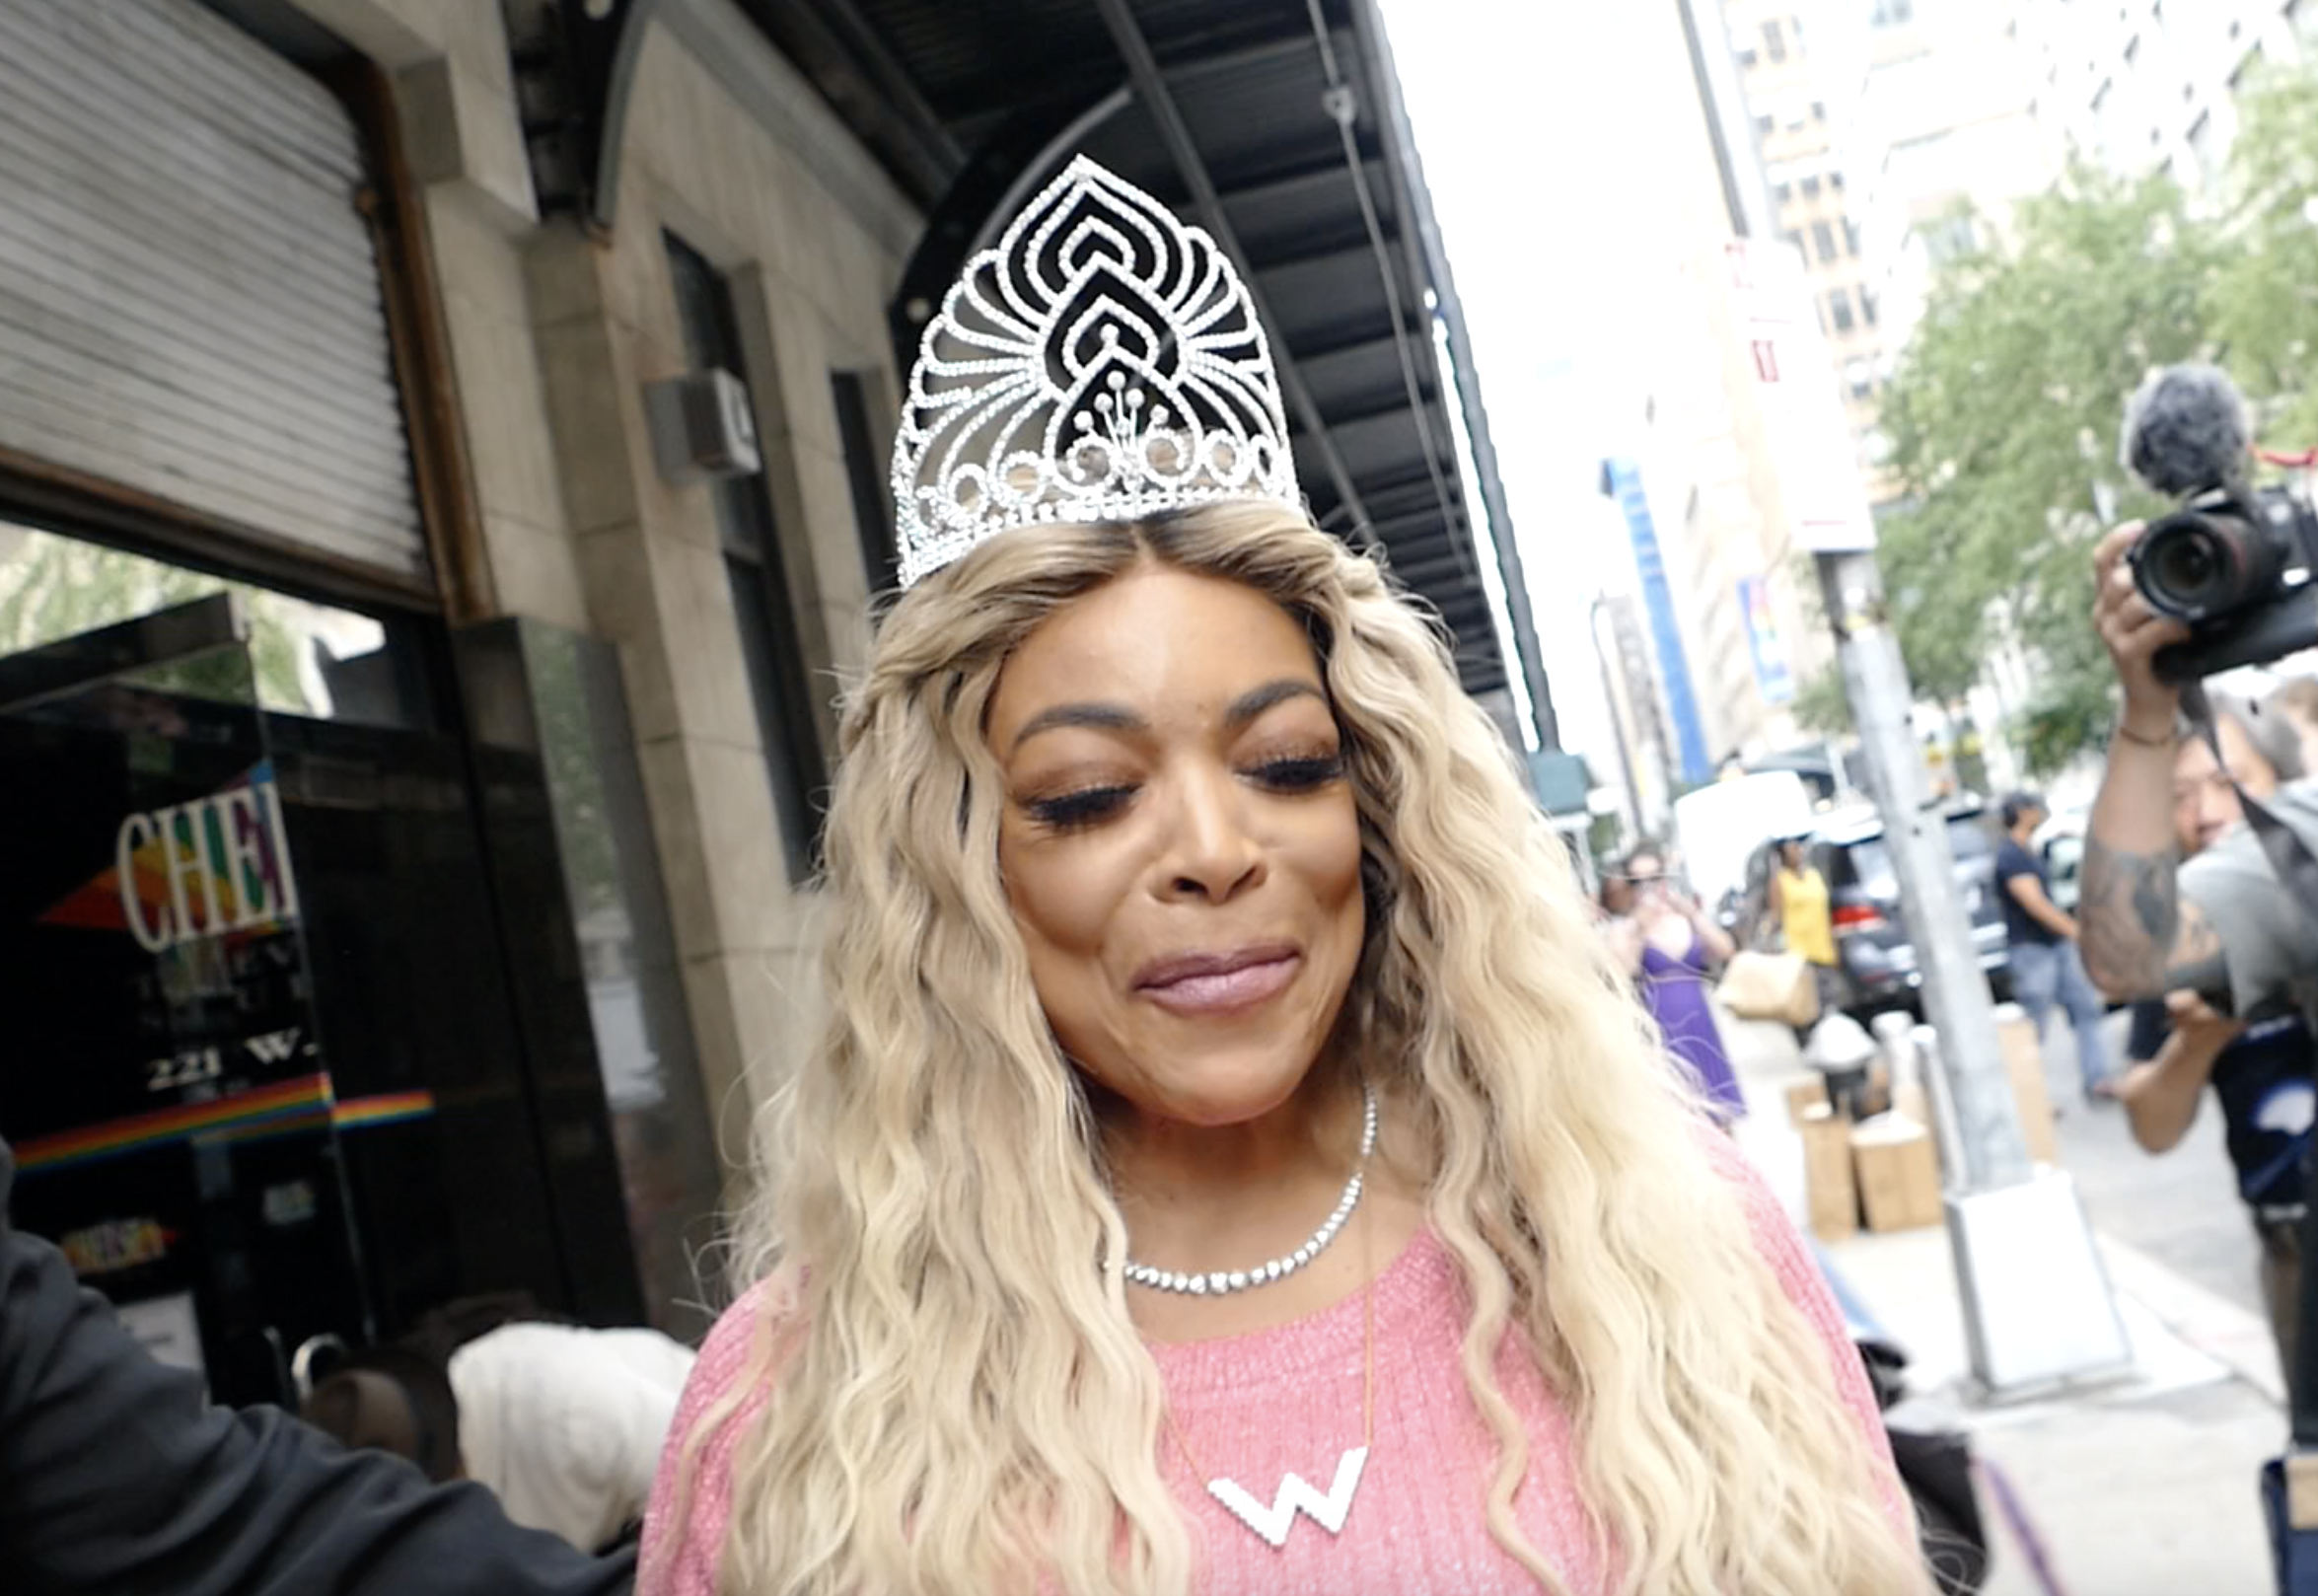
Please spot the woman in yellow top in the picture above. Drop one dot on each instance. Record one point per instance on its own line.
(1798, 897)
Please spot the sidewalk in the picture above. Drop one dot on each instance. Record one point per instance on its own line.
(2141, 1486)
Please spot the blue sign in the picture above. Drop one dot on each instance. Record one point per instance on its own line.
(1624, 481)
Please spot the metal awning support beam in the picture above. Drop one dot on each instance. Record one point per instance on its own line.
(1396, 406)
(1362, 343)
(1424, 525)
(610, 66)
(1280, 183)
(1150, 86)
(1422, 230)
(1357, 250)
(1041, 166)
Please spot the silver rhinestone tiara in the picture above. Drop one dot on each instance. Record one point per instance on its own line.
(1101, 363)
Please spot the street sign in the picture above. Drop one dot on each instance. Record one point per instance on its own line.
(1562, 783)
(1809, 440)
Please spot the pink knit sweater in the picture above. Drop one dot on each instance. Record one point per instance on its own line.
(1253, 1407)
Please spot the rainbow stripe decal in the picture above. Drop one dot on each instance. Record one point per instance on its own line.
(388, 1108)
(290, 1108)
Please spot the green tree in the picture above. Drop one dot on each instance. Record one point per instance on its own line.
(2265, 297)
(1822, 706)
(1941, 625)
(1940, 617)
(2003, 418)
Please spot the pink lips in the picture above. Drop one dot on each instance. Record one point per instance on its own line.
(1201, 984)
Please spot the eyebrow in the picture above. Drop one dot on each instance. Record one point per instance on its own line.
(1110, 717)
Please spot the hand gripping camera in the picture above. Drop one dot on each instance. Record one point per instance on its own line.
(2234, 562)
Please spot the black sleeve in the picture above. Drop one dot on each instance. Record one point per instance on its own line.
(2150, 1028)
(2014, 861)
(117, 1475)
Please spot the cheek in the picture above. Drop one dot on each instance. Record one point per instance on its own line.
(1066, 902)
(1329, 860)
(1051, 905)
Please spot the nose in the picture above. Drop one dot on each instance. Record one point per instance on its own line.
(1210, 853)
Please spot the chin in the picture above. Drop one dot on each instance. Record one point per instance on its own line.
(1225, 1091)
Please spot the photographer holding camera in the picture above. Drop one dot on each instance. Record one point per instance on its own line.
(2259, 1073)
(2224, 580)
(2205, 589)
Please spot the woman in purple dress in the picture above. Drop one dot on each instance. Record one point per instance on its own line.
(1670, 945)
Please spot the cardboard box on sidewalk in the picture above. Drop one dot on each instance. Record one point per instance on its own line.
(1827, 1174)
(2024, 1061)
(1897, 1172)
(1804, 1093)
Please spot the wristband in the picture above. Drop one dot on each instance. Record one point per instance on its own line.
(2131, 736)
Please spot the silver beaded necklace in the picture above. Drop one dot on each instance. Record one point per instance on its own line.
(1222, 1282)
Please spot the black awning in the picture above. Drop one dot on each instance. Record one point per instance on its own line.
(971, 103)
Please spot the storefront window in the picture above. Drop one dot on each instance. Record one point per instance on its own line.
(301, 1049)
(309, 659)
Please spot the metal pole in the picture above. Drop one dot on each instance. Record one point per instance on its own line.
(1618, 727)
(1992, 1150)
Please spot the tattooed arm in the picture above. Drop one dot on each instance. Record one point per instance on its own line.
(2139, 937)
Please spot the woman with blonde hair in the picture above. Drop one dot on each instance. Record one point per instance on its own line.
(1232, 1163)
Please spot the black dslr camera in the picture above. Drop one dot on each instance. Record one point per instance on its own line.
(2234, 562)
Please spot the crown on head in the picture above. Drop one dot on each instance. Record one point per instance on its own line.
(1101, 363)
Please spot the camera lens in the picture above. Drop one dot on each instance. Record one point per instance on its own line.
(2188, 567)
(2194, 566)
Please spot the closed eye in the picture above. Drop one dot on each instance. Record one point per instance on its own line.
(1301, 774)
(1072, 811)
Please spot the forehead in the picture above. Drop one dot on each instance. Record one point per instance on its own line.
(2196, 760)
(1162, 642)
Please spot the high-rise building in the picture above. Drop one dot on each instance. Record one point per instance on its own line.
(2148, 84)
(1717, 467)
(1939, 129)
(1789, 96)
(1630, 684)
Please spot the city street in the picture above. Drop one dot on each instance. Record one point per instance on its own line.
(2142, 1485)
(683, 676)
(2180, 1209)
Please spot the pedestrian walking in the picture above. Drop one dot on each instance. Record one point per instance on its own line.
(1672, 949)
(565, 1423)
(1231, 1151)
(1803, 908)
(2041, 940)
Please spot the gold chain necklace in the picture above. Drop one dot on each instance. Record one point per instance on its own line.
(1273, 1521)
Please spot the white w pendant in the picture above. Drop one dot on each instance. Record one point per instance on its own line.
(1274, 1522)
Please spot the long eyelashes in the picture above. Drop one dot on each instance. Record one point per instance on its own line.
(1091, 806)
(1073, 811)
(1300, 775)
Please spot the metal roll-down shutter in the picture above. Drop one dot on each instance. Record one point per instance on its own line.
(190, 304)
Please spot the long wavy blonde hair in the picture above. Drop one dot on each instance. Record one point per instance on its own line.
(959, 1401)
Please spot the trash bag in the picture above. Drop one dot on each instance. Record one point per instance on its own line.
(1936, 1467)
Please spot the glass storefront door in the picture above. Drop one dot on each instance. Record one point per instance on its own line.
(301, 1041)
(338, 982)
(165, 1084)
